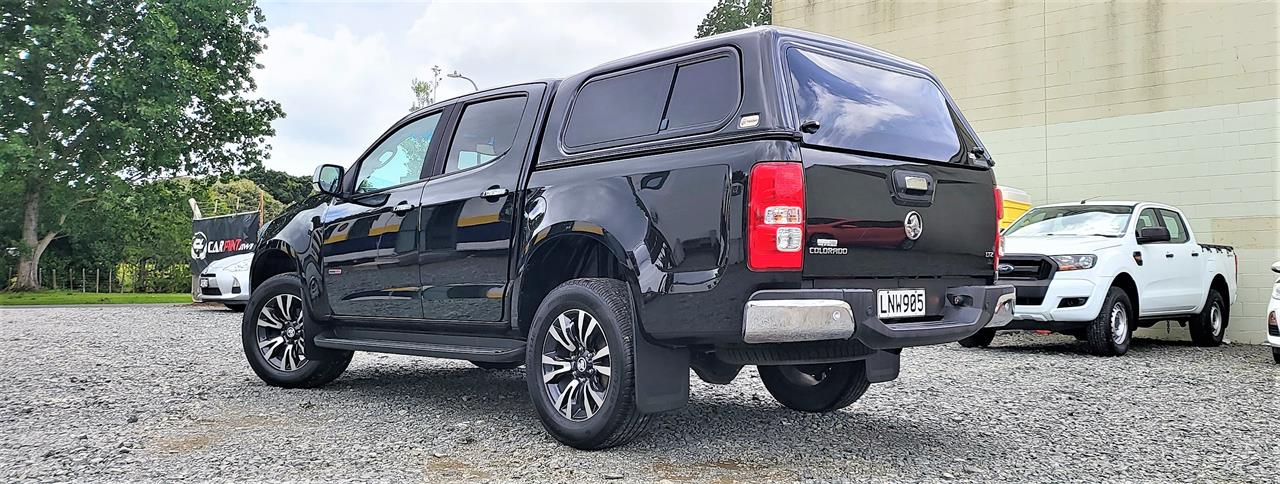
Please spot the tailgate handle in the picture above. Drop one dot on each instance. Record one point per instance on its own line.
(916, 183)
(913, 188)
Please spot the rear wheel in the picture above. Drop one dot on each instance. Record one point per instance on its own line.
(1275, 354)
(822, 387)
(275, 343)
(1208, 327)
(981, 339)
(1111, 332)
(489, 365)
(579, 365)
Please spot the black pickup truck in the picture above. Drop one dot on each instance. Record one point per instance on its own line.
(768, 197)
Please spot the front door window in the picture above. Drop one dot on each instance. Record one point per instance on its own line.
(399, 158)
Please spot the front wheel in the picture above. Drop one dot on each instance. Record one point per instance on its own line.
(579, 365)
(1110, 333)
(274, 341)
(816, 388)
(1208, 327)
(1275, 354)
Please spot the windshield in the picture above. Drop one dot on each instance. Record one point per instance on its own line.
(1104, 220)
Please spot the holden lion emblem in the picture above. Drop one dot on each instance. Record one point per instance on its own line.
(913, 225)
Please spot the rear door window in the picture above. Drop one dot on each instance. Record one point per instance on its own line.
(1177, 230)
(485, 132)
(865, 108)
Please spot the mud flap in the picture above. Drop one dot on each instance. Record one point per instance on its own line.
(662, 376)
(882, 366)
(662, 373)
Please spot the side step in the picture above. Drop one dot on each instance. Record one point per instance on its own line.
(474, 348)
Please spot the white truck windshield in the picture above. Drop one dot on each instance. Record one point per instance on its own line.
(1101, 220)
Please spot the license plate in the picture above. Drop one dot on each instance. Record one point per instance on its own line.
(204, 283)
(900, 303)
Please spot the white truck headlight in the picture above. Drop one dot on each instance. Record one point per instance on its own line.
(1075, 262)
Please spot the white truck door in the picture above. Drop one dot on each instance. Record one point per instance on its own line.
(1157, 276)
(1187, 263)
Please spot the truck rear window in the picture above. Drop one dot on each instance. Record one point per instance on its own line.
(865, 108)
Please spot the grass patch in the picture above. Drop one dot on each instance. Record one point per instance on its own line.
(67, 297)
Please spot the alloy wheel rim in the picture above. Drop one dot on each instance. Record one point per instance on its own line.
(1215, 319)
(576, 365)
(280, 333)
(1119, 324)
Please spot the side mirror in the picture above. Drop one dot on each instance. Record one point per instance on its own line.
(1147, 235)
(328, 178)
(1275, 268)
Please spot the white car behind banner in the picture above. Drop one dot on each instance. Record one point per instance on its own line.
(227, 281)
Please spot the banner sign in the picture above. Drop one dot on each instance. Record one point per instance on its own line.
(216, 238)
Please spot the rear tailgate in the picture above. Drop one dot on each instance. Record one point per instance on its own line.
(891, 192)
(858, 210)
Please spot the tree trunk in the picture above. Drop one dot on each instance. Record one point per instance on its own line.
(29, 261)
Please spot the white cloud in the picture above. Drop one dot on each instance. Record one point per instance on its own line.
(343, 79)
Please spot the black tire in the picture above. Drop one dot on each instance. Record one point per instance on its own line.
(235, 308)
(616, 420)
(1203, 330)
(1081, 336)
(1107, 335)
(489, 365)
(981, 339)
(825, 387)
(1275, 354)
(308, 373)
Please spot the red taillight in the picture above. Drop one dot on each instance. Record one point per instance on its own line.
(999, 244)
(775, 221)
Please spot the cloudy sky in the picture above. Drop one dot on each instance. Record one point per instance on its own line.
(342, 69)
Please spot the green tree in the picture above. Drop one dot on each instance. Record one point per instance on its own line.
(424, 92)
(236, 196)
(93, 94)
(286, 188)
(731, 15)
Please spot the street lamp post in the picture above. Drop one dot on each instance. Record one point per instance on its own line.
(458, 75)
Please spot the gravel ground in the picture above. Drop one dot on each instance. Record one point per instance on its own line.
(162, 393)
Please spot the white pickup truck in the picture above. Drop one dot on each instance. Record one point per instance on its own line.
(1098, 270)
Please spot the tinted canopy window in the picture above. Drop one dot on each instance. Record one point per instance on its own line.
(865, 108)
(619, 107)
(704, 92)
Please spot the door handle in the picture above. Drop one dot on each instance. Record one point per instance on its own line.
(1168, 255)
(493, 192)
(402, 208)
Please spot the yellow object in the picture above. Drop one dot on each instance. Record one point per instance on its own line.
(1016, 203)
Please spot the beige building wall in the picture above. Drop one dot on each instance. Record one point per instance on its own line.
(1174, 102)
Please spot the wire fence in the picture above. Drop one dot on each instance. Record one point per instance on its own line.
(123, 277)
